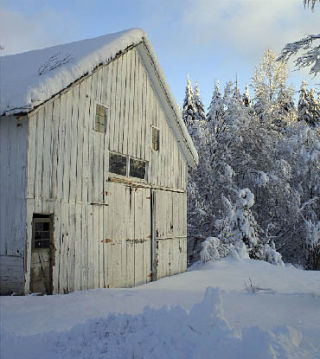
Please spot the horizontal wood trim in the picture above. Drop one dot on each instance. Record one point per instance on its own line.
(142, 185)
(166, 238)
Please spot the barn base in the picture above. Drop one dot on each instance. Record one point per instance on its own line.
(11, 275)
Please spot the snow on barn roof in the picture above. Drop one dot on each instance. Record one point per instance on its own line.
(31, 78)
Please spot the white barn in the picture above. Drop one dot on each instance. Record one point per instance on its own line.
(94, 157)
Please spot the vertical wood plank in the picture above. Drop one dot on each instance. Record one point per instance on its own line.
(84, 247)
(126, 104)
(61, 146)
(90, 248)
(122, 102)
(131, 104)
(39, 152)
(112, 78)
(74, 140)
(55, 147)
(80, 140)
(67, 147)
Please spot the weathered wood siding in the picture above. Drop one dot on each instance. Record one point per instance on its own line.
(96, 222)
(13, 154)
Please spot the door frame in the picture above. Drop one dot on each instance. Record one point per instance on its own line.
(43, 218)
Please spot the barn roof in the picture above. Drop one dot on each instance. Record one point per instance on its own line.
(31, 78)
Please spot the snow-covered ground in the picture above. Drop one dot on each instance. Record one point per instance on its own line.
(228, 309)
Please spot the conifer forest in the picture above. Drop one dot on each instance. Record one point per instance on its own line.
(257, 186)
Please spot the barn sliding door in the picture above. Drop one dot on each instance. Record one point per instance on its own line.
(127, 235)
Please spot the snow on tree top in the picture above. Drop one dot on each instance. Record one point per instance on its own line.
(32, 77)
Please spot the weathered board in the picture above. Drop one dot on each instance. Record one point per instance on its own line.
(13, 152)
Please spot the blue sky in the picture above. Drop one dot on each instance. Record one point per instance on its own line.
(207, 39)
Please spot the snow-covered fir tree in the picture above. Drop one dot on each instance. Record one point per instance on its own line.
(239, 233)
(246, 97)
(199, 108)
(308, 106)
(236, 91)
(303, 105)
(188, 108)
(215, 109)
(215, 113)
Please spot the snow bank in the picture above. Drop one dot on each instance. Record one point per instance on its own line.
(175, 317)
(160, 333)
(30, 78)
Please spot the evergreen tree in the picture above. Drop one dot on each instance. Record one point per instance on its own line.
(236, 92)
(284, 112)
(188, 109)
(199, 109)
(314, 108)
(303, 106)
(246, 97)
(285, 99)
(308, 106)
(238, 233)
(215, 110)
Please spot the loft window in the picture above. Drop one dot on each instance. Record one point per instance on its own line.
(127, 166)
(155, 139)
(42, 228)
(100, 119)
(137, 168)
(118, 164)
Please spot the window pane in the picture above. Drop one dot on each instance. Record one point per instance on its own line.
(42, 226)
(155, 139)
(42, 235)
(137, 168)
(100, 120)
(118, 164)
(42, 243)
(100, 111)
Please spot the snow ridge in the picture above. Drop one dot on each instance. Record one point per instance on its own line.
(168, 332)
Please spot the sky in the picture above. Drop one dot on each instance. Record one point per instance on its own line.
(208, 40)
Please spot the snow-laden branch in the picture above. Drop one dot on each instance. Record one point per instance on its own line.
(307, 203)
(311, 56)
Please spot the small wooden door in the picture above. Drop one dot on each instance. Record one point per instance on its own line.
(41, 255)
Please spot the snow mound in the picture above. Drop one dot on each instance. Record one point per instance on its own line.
(168, 332)
(31, 78)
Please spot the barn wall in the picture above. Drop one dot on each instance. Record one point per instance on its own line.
(67, 173)
(13, 152)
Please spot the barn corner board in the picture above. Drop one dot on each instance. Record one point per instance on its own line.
(94, 158)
